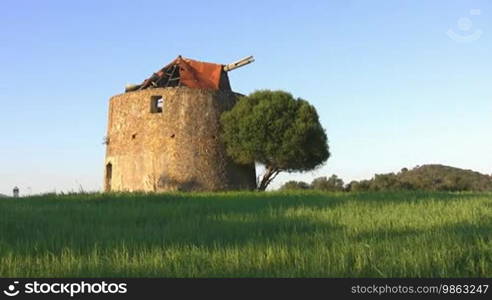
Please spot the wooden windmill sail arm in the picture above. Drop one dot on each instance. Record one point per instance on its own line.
(239, 63)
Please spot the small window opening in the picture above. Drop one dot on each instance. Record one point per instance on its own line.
(156, 104)
(173, 135)
(134, 136)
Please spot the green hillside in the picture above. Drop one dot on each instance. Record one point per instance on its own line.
(429, 178)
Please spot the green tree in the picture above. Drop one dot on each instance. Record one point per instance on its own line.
(385, 182)
(359, 186)
(294, 185)
(332, 184)
(276, 130)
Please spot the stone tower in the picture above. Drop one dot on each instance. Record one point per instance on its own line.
(164, 134)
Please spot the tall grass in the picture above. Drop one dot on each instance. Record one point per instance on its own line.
(247, 234)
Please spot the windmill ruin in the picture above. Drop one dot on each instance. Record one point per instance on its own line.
(163, 134)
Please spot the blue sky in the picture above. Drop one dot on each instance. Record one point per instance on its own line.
(393, 89)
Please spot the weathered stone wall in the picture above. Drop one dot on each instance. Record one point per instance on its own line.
(178, 149)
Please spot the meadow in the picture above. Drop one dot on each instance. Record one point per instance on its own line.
(248, 234)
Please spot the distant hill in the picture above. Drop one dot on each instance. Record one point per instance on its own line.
(3, 196)
(428, 177)
(439, 177)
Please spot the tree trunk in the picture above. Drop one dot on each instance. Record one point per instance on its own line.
(268, 176)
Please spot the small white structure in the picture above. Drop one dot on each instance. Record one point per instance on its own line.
(16, 192)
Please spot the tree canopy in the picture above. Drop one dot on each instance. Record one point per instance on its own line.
(332, 184)
(295, 185)
(276, 130)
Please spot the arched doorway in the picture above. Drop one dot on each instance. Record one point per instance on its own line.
(109, 175)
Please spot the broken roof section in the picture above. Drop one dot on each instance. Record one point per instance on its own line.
(187, 72)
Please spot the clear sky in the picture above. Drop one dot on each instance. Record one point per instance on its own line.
(396, 83)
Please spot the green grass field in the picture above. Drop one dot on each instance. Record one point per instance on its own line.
(248, 234)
